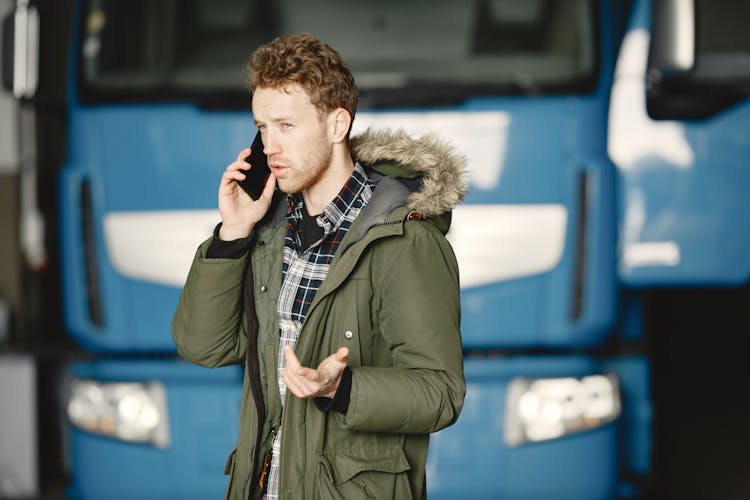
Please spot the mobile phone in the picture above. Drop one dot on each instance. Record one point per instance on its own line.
(256, 177)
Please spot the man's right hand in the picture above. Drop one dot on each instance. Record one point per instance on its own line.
(239, 212)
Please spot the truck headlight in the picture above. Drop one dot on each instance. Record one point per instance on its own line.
(125, 410)
(548, 408)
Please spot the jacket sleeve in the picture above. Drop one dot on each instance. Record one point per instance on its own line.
(419, 318)
(208, 326)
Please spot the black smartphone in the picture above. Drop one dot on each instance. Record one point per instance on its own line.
(256, 177)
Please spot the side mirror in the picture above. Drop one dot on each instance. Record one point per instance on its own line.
(672, 51)
(21, 50)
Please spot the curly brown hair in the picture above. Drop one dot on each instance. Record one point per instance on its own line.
(304, 60)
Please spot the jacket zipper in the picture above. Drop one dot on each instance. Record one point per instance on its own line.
(253, 373)
(266, 463)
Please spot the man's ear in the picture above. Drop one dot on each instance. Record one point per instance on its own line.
(339, 122)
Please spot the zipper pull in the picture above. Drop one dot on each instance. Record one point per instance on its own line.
(264, 472)
(266, 462)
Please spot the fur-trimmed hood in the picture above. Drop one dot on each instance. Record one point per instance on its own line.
(424, 175)
(435, 169)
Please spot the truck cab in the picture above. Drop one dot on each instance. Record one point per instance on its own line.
(597, 171)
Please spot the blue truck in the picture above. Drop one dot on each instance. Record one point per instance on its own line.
(607, 144)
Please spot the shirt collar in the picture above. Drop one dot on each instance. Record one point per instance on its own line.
(335, 212)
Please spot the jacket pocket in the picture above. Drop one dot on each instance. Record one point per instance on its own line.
(364, 473)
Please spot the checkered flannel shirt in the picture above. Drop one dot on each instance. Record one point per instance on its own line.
(304, 270)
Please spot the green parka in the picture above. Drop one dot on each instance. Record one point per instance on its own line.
(391, 296)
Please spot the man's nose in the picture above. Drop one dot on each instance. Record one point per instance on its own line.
(270, 144)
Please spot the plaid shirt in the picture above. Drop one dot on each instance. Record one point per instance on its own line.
(304, 270)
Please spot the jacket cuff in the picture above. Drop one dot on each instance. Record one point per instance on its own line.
(340, 401)
(234, 249)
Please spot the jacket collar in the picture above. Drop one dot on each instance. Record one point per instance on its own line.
(425, 174)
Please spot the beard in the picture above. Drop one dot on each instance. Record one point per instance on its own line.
(303, 177)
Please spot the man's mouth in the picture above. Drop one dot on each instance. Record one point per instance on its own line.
(278, 167)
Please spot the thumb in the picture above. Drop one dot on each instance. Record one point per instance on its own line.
(342, 355)
(269, 188)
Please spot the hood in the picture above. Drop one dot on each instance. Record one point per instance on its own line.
(431, 169)
(424, 175)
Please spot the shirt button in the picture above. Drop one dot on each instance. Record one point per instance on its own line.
(348, 334)
(264, 288)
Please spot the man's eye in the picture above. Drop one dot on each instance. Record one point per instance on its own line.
(287, 125)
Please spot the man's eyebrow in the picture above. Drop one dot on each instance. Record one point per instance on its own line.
(276, 120)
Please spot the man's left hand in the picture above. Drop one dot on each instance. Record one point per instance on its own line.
(311, 382)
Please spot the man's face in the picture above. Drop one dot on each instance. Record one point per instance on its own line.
(294, 136)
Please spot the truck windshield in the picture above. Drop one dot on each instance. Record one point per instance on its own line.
(185, 49)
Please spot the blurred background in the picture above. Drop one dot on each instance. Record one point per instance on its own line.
(604, 246)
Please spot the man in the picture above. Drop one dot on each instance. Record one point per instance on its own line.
(338, 290)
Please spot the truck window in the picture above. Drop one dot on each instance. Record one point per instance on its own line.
(194, 49)
(721, 74)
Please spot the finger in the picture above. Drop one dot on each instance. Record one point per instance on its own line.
(238, 165)
(309, 387)
(243, 154)
(292, 385)
(292, 363)
(307, 373)
(232, 175)
(302, 388)
(228, 184)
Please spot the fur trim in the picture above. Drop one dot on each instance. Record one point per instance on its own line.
(441, 168)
